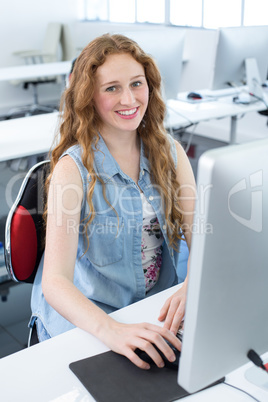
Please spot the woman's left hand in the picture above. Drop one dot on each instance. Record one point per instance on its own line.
(174, 309)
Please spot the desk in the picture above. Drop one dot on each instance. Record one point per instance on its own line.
(30, 71)
(42, 372)
(182, 113)
(27, 136)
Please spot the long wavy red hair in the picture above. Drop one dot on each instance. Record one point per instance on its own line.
(79, 124)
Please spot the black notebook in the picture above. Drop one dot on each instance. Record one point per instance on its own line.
(110, 377)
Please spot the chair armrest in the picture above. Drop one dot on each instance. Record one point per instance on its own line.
(32, 54)
(23, 53)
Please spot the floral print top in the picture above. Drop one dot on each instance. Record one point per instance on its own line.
(151, 245)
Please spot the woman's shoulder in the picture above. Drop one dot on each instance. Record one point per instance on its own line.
(73, 160)
(66, 171)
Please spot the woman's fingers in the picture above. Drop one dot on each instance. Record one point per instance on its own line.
(173, 322)
(150, 340)
(164, 310)
(173, 310)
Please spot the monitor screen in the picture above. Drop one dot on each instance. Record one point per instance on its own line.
(227, 305)
(233, 47)
(166, 47)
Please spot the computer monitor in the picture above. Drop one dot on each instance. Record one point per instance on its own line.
(166, 47)
(227, 304)
(233, 47)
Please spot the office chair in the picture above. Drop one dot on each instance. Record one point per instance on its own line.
(48, 54)
(49, 51)
(25, 229)
(69, 51)
(264, 113)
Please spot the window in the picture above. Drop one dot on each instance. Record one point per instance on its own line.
(151, 11)
(96, 10)
(122, 10)
(222, 13)
(256, 12)
(187, 13)
(197, 13)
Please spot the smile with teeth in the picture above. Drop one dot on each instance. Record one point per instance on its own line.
(127, 112)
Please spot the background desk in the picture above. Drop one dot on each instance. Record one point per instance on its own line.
(182, 113)
(42, 372)
(30, 71)
(27, 136)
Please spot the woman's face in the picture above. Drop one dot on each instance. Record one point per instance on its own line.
(121, 94)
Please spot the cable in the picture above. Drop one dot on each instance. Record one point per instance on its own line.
(190, 139)
(259, 98)
(242, 390)
(256, 359)
(179, 114)
(233, 85)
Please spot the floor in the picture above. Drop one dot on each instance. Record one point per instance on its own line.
(13, 338)
(14, 317)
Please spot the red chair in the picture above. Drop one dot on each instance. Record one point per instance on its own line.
(25, 229)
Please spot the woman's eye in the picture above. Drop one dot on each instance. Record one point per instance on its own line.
(110, 89)
(136, 84)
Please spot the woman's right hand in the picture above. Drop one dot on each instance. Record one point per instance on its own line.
(126, 338)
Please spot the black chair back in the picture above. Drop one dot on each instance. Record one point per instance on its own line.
(25, 229)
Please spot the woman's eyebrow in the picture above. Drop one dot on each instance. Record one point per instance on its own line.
(116, 82)
(109, 83)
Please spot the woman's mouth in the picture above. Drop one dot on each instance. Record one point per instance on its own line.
(128, 113)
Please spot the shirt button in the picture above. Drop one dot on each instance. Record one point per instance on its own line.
(151, 198)
(142, 172)
(164, 227)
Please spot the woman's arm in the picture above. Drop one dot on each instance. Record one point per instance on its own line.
(174, 308)
(64, 208)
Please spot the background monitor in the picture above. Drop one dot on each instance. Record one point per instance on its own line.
(166, 47)
(227, 305)
(233, 47)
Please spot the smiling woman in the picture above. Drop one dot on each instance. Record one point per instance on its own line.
(126, 186)
(121, 95)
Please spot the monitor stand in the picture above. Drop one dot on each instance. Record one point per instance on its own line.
(257, 376)
(253, 78)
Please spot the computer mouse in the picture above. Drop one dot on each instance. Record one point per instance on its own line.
(194, 95)
(173, 365)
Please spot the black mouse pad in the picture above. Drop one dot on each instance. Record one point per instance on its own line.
(110, 377)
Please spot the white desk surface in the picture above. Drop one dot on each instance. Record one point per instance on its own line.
(27, 136)
(35, 70)
(41, 373)
(183, 113)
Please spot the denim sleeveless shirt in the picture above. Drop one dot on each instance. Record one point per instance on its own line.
(110, 273)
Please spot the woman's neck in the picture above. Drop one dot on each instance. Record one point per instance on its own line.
(122, 144)
(126, 151)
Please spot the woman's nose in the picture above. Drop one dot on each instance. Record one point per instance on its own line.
(127, 97)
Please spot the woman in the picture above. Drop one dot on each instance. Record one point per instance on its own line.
(116, 205)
